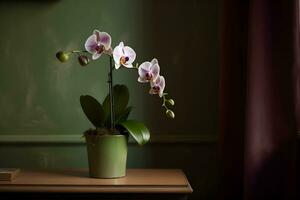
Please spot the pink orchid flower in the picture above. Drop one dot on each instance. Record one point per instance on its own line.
(158, 86)
(123, 55)
(97, 43)
(148, 71)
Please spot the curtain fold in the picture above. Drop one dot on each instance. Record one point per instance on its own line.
(258, 95)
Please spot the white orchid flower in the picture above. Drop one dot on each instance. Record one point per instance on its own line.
(158, 86)
(123, 55)
(97, 43)
(148, 71)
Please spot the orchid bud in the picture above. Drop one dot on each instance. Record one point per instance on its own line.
(83, 60)
(171, 102)
(62, 56)
(170, 114)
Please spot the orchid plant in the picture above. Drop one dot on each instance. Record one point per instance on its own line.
(111, 117)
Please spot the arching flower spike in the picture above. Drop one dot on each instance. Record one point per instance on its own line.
(97, 43)
(158, 86)
(123, 55)
(148, 71)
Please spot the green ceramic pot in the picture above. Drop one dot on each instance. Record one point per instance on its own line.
(107, 155)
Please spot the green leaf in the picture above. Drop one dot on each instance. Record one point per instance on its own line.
(121, 98)
(124, 116)
(137, 130)
(93, 110)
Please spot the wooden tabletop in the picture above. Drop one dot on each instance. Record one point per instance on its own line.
(135, 181)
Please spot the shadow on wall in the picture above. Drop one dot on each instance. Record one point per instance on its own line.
(184, 36)
(198, 161)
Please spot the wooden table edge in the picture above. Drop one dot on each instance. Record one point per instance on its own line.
(102, 189)
(77, 188)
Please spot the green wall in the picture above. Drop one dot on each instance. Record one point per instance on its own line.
(40, 96)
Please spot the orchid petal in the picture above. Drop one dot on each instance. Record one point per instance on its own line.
(144, 68)
(130, 53)
(128, 65)
(155, 71)
(154, 61)
(90, 44)
(151, 91)
(97, 34)
(142, 80)
(105, 40)
(117, 54)
(162, 84)
(159, 82)
(96, 56)
(117, 65)
(121, 44)
(153, 83)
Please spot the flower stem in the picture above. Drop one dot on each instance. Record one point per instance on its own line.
(164, 102)
(78, 51)
(111, 96)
